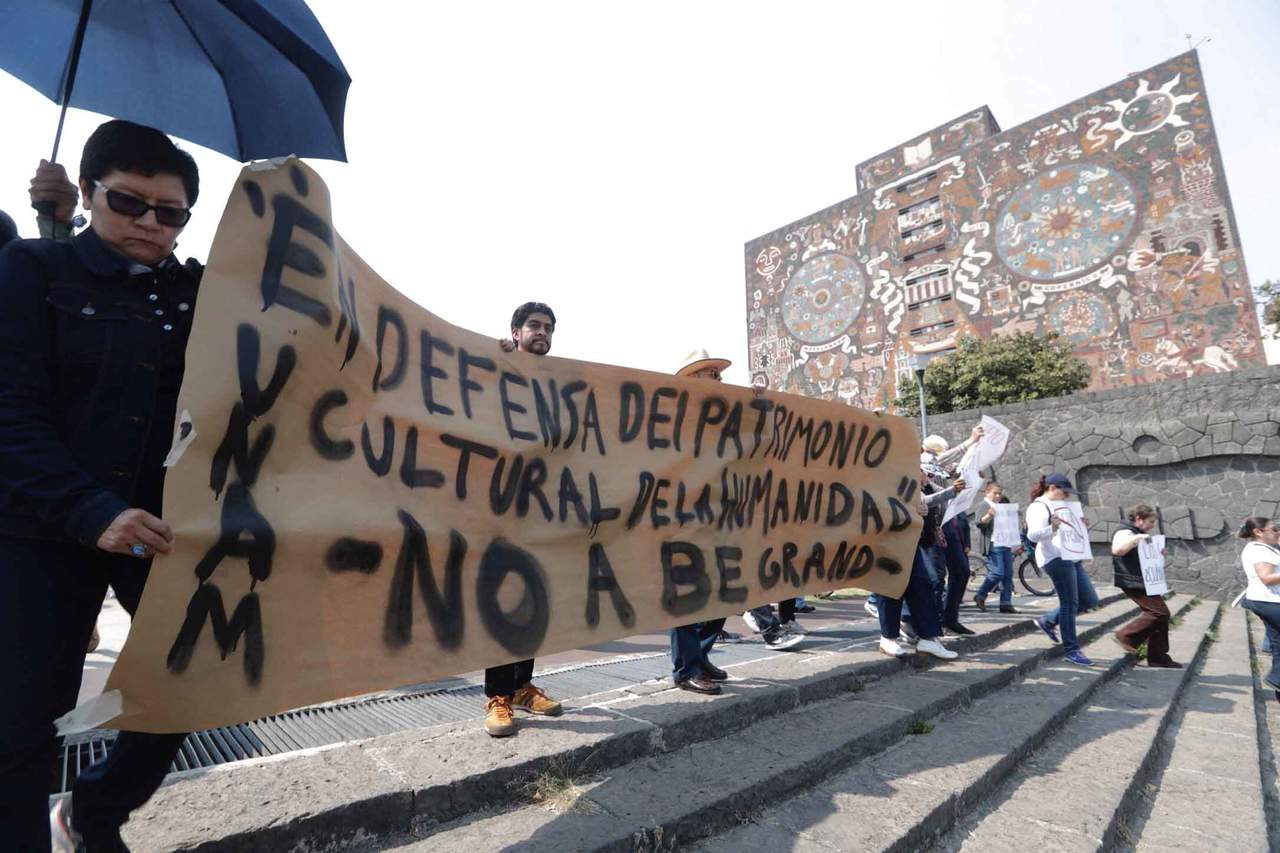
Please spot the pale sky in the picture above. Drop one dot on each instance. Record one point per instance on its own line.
(611, 159)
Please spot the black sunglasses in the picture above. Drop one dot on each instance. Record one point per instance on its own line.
(134, 207)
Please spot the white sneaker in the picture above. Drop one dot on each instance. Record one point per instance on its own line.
(892, 648)
(64, 838)
(784, 640)
(871, 608)
(752, 622)
(906, 640)
(794, 627)
(935, 648)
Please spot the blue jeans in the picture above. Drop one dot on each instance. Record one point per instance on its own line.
(50, 595)
(957, 566)
(1269, 613)
(919, 597)
(999, 574)
(1075, 594)
(690, 646)
(935, 567)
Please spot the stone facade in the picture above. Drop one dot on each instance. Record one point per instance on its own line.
(1204, 452)
(1106, 221)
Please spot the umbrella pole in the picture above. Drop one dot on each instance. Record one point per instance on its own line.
(72, 67)
(46, 208)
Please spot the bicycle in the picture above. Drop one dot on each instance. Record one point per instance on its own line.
(1033, 578)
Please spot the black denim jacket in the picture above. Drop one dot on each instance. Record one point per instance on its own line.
(85, 339)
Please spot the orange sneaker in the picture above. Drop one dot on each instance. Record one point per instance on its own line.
(533, 700)
(498, 719)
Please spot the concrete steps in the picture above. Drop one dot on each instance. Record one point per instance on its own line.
(1207, 794)
(1267, 717)
(840, 749)
(692, 791)
(410, 782)
(945, 781)
(1080, 791)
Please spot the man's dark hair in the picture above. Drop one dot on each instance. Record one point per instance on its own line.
(128, 147)
(523, 312)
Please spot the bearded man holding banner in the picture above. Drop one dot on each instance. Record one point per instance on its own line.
(92, 348)
(510, 686)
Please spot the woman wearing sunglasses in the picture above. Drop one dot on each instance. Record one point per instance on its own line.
(92, 342)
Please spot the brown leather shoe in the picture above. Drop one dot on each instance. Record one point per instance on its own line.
(1008, 608)
(713, 672)
(698, 684)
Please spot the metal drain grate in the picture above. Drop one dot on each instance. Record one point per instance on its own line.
(323, 725)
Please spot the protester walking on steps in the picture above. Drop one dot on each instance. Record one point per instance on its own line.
(1261, 562)
(1152, 625)
(999, 558)
(919, 596)
(1070, 581)
(935, 457)
(510, 687)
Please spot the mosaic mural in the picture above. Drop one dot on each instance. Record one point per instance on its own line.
(1106, 221)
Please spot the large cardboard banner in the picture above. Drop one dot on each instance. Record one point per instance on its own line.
(365, 496)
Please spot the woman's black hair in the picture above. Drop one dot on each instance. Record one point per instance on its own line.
(120, 145)
(1251, 525)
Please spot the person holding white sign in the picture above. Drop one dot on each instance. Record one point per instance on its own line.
(1152, 626)
(1261, 562)
(1061, 541)
(998, 535)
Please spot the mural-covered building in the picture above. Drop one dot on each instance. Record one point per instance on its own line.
(1106, 221)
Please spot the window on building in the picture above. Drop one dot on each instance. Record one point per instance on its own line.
(938, 248)
(936, 327)
(938, 300)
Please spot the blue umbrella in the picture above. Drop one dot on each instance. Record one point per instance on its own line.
(250, 78)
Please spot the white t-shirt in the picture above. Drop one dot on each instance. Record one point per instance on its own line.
(1257, 552)
(1039, 518)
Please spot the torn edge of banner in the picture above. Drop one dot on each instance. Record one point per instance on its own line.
(91, 714)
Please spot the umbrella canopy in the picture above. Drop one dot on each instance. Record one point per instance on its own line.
(250, 78)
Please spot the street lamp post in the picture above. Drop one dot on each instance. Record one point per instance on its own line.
(919, 362)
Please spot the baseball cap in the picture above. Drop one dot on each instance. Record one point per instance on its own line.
(1059, 480)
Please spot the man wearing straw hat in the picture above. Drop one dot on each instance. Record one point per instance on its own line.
(691, 667)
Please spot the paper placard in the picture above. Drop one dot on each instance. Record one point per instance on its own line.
(979, 456)
(1072, 536)
(1151, 558)
(1006, 527)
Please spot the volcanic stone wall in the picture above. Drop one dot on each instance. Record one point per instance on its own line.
(1204, 452)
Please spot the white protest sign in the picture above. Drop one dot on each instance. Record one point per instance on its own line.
(1005, 531)
(1151, 558)
(989, 448)
(1072, 536)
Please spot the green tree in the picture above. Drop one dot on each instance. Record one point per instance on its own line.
(992, 372)
(1264, 295)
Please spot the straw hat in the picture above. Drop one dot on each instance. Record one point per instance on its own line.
(699, 359)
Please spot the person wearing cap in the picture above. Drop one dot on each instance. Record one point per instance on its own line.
(1070, 581)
